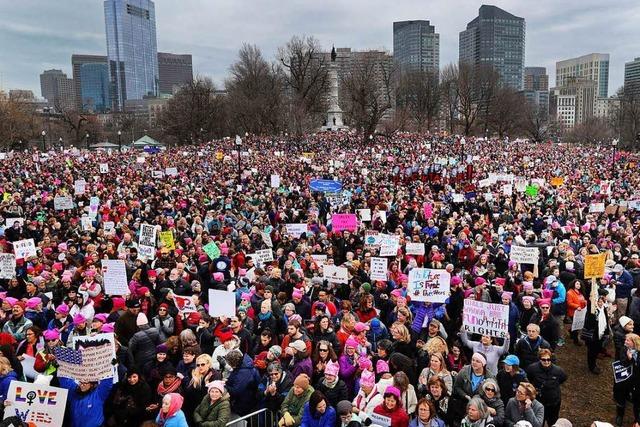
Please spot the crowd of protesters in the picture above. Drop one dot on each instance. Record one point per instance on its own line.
(310, 351)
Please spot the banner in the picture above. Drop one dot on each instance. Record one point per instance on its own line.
(379, 268)
(79, 187)
(166, 238)
(275, 181)
(415, 248)
(485, 319)
(335, 274)
(344, 222)
(524, 255)
(325, 185)
(593, 266)
(24, 248)
(364, 214)
(36, 404)
(61, 203)
(389, 245)
(222, 303)
(184, 304)
(295, 230)
(429, 285)
(212, 250)
(147, 235)
(7, 266)
(114, 273)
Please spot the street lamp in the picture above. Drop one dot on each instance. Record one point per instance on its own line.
(60, 141)
(614, 143)
(87, 139)
(119, 140)
(44, 142)
(462, 142)
(238, 146)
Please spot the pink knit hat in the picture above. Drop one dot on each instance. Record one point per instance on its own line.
(394, 391)
(62, 309)
(297, 293)
(351, 342)
(78, 319)
(382, 366)
(108, 327)
(332, 368)
(218, 277)
(33, 302)
(51, 334)
(367, 379)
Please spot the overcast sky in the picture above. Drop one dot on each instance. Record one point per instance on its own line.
(41, 34)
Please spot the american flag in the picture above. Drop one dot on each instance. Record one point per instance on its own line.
(64, 354)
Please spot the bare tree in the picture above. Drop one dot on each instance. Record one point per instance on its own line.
(449, 95)
(368, 90)
(594, 130)
(306, 75)
(487, 89)
(419, 95)
(17, 121)
(535, 122)
(465, 91)
(628, 117)
(506, 114)
(74, 122)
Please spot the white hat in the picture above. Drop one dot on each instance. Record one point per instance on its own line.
(624, 320)
(618, 269)
(142, 320)
(298, 345)
(569, 265)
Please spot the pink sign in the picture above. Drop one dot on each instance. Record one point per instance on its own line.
(344, 222)
(428, 210)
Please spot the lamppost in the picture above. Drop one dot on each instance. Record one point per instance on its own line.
(60, 142)
(238, 146)
(462, 141)
(44, 142)
(119, 140)
(614, 143)
(87, 139)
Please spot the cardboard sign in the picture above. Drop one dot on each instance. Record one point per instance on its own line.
(275, 181)
(147, 235)
(37, 405)
(557, 181)
(364, 214)
(171, 171)
(347, 222)
(166, 238)
(222, 303)
(24, 248)
(61, 203)
(104, 168)
(336, 274)
(295, 230)
(524, 255)
(79, 187)
(184, 304)
(389, 245)
(594, 266)
(429, 285)
(578, 319)
(379, 268)
(415, 248)
(521, 184)
(212, 250)
(263, 256)
(7, 266)
(114, 273)
(485, 319)
(621, 372)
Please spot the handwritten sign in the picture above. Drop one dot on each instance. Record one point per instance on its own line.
(379, 268)
(389, 245)
(7, 266)
(104, 168)
(364, 214)
(114, 273)
(61, 203)
(429, 285)
(24, 248)
(79, 187)
(524, 255)
(171, 171)
(319, 259)
(147, 235)
(415, 248)
(579, 317)
(37, 405)
(166, 238)
(594, 266)
(485, 319)
(212, 250)
(95, 366)
(372, 239)
(336, 274)
(262, 256)
(295, 230)
(344, 222)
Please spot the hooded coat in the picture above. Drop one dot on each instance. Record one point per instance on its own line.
(86, 408)
(242, 385)
(213, 415)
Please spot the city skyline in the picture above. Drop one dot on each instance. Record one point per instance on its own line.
(213, 33)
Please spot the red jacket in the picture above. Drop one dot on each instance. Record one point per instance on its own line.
(399, 417)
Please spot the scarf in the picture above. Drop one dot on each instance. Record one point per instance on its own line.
(264, 316)
(162, 389)
(602, 322)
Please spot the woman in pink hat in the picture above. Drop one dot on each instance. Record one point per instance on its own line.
(45, 359)
(391, 407)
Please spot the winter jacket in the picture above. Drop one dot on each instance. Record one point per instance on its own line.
(399, 417)
(347, 372)
(274, 402)
(5, 381)
(302, 366)
(624, 284)
(514, 413)
(575, 301)
(127, 404)
(142, 347)
(242, 385)
(366, 404)
(333, 394)
(527, 351)
(212, 415)
(86, 409)
(176, 420)
(462, 386)
(294, 405)
(165, 326)
(434, 422)
(328, 419)
(509, 383)
(547, 381)
(492, 352)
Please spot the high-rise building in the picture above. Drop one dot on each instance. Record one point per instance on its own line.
(131, 49)
(77, 61)
(57, 89)
(416, 45)
(94, 87)
(536, 88)
(632, 77)
(594, 66)
(174, 71)
(496, 38)
(573, 103)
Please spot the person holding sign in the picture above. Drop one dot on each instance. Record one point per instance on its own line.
(86, 401)
(624, 385)
(491, 352)
(392, 409)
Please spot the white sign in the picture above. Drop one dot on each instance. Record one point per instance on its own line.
(485, 319)
(596, 207)
(146, 252)
(507, 190)
(24, 248)
(415, 248)
(184, 304)
(578, 319)
(389, 245)
(222, 303)
(458, 197)
(336, 274)
(521, 184)
(157, 174)
(114, 274)
(484, 183)
(10, 221)
(104, 168)
(319, 259)
(79, 187)
(140, 160)
(379, 420)
(7, 266)
(171, 171)
(94, 204)
(61, 203)
(85, 222)
(379, 268)
(524, 255)
(147, 235)
(275, 181)
(364, 214)
(266, 238)
(37, 405)
(109, 227)
(429, 285)
(262, 256)
(295, 230)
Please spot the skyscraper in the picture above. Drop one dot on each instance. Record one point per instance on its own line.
(632, 77)
(536, 88)
(416, 45)
(174, 71)
(57, 89)
(76, 63)
(131, 49)
(594, 66)
(94, 87)
(496, 38)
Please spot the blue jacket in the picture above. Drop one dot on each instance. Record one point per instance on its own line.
(624, 285)
(436, 422)
(177, 420)
(242, 385)
(87, 409)
(328, 419)
(5, 381)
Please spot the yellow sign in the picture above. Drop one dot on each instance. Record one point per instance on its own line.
(166, 238)
(219, 155)
(557, 181)
(6, 197)
(309, 155)
(594, 266)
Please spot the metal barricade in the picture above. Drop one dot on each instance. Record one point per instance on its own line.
(260, 418)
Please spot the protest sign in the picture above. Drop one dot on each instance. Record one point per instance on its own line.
(457, 197)
(557, 181)
(507, 190)
(594, 266)
(372, 239)
(86, 223)
(266, 238)
(336, 200)
(389, 245)
(38, 405)
(275, 181)
(524, 255)
(171, 171)
(61, 203)
(184, 304)
(28, 364)
(379, 268)
(596, 207)
(24, 248)
(485, 319)
(325, 185)
(91, 361)
(212, 250)
(9, 222)
(104, 168)
(415, 248)
(364, 214)
(379, 420)
(531, 191)
(344, 222)
(157, 174)
(166, 238)
(427, 209)
(429, 285)
(94, 204)
(109, 227)
(222, 303)
(79, 187)
(521, 184)
(7, 266)
(114, 273)
(147, 235)
(319, 259)
(262, 256)
(146, 252)
(140, 160)
(621, 372)
(484, 183)
(578, 319)
(336, 274)
(295, 230)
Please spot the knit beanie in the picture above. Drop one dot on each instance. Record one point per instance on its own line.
(302, 381)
